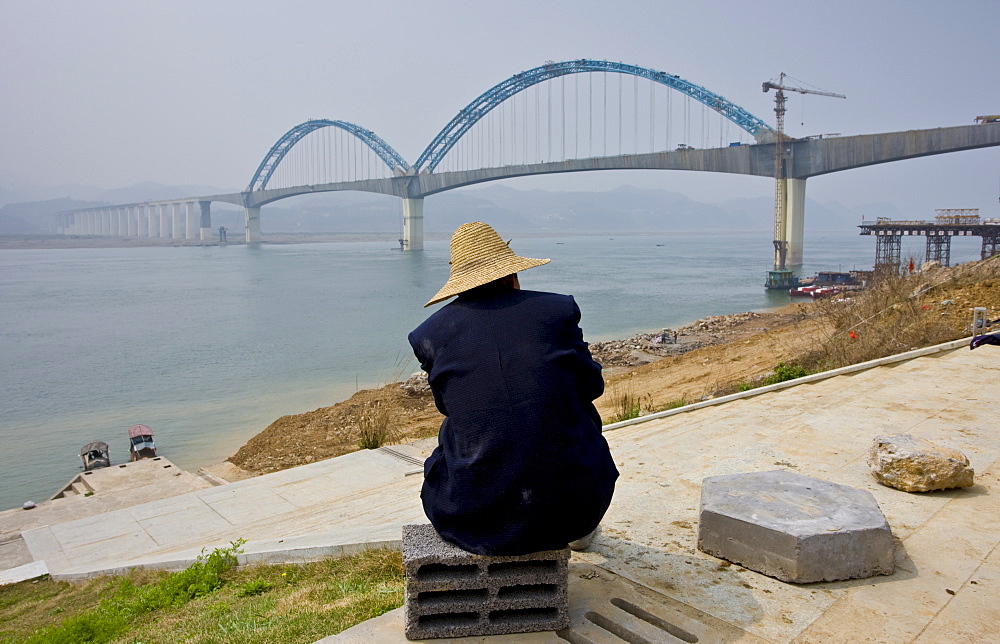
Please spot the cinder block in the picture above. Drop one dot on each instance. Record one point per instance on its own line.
(794, 528)
(454, 593)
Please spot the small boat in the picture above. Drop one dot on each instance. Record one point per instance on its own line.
(95, 455)
(140, 439)
(781, 280)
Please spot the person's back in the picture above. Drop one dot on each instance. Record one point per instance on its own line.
(521, 464)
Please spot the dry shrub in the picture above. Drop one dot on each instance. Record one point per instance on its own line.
(376, 425)
(886, 319)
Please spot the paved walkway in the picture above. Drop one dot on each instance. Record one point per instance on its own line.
(946, 587)
(947, 584)
(299, 514)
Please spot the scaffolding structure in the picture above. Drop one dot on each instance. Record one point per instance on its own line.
(953, 222)
(887, 253)
(957, 216)
(938, 249)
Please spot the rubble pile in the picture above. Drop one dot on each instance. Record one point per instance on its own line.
(649, 347)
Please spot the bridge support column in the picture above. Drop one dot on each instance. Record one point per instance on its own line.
(795, 216)
(190, 229)
(142, 217)
(253, 224)
(413, 224)
(165, 227)
(206, 220)
(123, 222)
(105, 219)
(92, 224)
(113, 220)
(176, 231)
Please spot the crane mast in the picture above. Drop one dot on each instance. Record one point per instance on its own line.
(780, 158)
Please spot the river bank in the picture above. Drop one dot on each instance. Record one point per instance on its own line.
(712, 356)
(656, 372)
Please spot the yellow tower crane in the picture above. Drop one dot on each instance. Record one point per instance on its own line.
(780, 158)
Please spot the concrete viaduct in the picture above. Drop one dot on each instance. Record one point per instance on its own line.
(804, 158)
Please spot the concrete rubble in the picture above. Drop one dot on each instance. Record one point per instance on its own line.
(914, 464)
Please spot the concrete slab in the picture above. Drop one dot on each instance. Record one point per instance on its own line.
(794, 528)
(28, 571)
(349, 500)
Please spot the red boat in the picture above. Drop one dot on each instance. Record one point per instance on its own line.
(140, 438)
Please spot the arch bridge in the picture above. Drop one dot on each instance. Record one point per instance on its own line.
(572, 116)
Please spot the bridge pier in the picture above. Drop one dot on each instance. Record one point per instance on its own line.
(143, 217)
(175, 212)
(795, 217)
(413, 224)
(164, 220)
(253, 224)
(206, 220)
(189, 225)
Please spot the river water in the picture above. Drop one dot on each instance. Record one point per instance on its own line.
(209, 345)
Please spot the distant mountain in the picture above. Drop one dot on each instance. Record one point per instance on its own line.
(152, 191)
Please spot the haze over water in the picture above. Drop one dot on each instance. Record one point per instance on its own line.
(209, 345)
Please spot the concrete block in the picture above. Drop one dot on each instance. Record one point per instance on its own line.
(454, 593)
(794, 528)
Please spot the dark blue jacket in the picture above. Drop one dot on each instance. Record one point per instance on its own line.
(521, 464)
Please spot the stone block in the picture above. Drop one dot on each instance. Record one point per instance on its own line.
(795, 528)
(454, 593)
(913, 464)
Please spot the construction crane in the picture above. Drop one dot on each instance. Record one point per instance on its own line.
(780, 208)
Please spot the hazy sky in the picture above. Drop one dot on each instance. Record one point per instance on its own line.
(193, 92)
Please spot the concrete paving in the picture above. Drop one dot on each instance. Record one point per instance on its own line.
(947, 581)
(291, 516)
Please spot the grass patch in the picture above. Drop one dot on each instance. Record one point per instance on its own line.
(273, 604)
(376, 425)
(782, 372)
(674, 404)
(625, 404)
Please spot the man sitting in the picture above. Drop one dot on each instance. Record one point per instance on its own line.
(521, 464)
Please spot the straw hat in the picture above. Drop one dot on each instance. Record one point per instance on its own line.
(479, 256)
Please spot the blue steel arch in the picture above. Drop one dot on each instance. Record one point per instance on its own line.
(278, 151)
(478, 108)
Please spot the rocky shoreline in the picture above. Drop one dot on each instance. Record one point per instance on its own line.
(644, 348)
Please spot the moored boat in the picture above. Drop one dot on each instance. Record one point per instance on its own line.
(95, 455)
(141, 445)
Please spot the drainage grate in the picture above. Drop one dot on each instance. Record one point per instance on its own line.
(605, 607)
